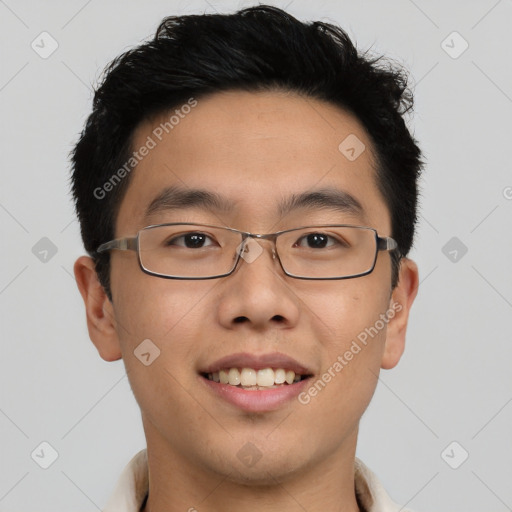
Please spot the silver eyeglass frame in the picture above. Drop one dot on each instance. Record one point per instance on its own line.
(132, 244)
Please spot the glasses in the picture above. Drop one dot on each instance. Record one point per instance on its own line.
(201, 251)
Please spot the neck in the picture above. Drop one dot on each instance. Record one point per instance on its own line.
(178, 484)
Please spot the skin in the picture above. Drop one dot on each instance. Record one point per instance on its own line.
(254, 148)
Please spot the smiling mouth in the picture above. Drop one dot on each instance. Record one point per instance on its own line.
(251, 379)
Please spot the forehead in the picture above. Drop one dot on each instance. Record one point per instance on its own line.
(249, 159)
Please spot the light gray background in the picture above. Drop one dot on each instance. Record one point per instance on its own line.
(454, 382)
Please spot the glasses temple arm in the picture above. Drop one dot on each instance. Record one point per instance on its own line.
(123, 244)
(386, 243)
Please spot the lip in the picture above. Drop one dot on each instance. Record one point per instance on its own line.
(258, 362)
(257, 400)
(263, 400)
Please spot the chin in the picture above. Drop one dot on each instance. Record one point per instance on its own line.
(253, 467)
(265, 476)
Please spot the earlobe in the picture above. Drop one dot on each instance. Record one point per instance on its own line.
(99, 311)
(400, 304)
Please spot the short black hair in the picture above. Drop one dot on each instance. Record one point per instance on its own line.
(261, 48)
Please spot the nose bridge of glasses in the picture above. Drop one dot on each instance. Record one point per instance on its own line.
(257, 238)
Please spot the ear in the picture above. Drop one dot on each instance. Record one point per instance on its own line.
(99, 310)
(401, 301)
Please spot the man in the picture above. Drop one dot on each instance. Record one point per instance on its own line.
(247, 193)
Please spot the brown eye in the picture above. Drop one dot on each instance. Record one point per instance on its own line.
(320, 241)
(194, 240)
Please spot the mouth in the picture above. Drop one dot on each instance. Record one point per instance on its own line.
(255, 380)
(256, 383)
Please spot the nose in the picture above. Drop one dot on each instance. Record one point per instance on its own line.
(257, 293)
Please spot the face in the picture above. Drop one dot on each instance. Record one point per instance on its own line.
(255, 150)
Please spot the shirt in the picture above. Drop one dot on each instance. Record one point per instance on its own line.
(133, 485)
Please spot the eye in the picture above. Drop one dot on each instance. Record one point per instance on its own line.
(192, 240)
(318, 240)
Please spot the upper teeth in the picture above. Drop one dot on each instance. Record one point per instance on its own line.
(266, 377)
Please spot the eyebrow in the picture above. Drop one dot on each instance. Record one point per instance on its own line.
(328, 198)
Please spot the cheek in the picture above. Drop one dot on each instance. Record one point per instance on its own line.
(157, 325)
(155, 308)
(350, 334)
(345, 311)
